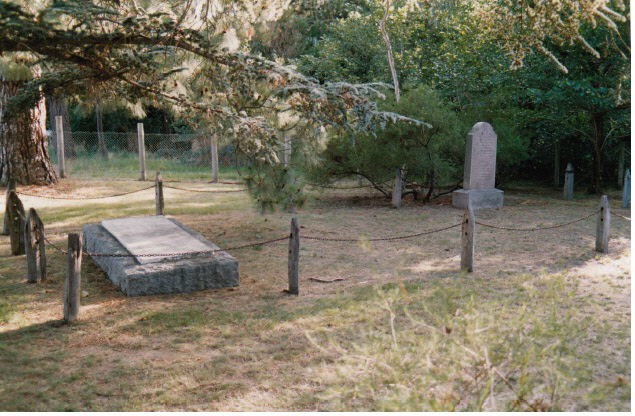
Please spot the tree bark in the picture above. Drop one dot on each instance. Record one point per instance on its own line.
(101, 140)
(57, 106)
(599, 137)
(23, 140)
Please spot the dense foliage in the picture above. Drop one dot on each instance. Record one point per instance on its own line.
(250, 70)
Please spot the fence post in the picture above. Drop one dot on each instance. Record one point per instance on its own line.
(158, 195)
(396, 191)
(556, 164)
(626, 193)
(568, 183)
(16, 224)
(34, 248)
(294, 258)
(142, 150)
(10, 187)
(467, 240)
(620, 165)
(59, 133)
(603, 228)
(73, 278)
(214, 141)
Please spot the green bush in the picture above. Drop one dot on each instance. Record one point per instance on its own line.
(431, 155)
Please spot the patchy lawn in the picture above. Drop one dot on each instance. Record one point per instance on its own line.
(543, 323)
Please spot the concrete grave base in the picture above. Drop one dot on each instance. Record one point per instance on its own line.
(163, 275)
(479, 198)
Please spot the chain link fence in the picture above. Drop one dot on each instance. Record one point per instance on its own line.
(116, 155)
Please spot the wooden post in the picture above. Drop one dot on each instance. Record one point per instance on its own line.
(294, 258)
(73, 278)
(59, 132)
(16, 224)
(467, 240)
(396, 190)
(556, 165)
(626, 193)
(620, 165)
(142, 151)
(158, 195)
(34, 248)
(214, 141)
(603, 228)
(10, 187)
(568, 183)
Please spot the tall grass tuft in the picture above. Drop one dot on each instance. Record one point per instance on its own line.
(448, 350)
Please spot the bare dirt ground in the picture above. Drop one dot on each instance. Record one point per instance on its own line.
(246, 348)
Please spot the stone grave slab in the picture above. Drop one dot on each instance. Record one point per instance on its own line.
(137, 275)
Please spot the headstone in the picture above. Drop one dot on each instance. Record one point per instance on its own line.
(626, 195)
(184, 263)
(568, 183)
(480, 171)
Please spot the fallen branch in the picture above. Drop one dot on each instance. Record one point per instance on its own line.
(337, 279)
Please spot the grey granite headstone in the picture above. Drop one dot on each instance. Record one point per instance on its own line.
(191, 267)
(480, 171)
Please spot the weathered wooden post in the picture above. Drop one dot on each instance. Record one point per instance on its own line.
(215, 158)
(158, 195)
(626, 193)
(396, 190)
(620, 164)
(59, 132)
(467, 240)
(34, 248)
(142, 151)
(16, 224)
(10, 187)
(556, 165)
(568, 183)
(73, 278)
(603, 227)
(294, 258)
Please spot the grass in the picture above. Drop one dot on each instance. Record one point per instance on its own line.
(126, 165)
(405, 329)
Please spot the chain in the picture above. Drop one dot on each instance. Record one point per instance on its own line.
(403, 237)
(84, 198)
(53, 245)
(621, 216)
(204, 191)
(536, 228)
(189, 253)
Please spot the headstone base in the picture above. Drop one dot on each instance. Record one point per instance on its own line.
(479, 198)
(172, 275)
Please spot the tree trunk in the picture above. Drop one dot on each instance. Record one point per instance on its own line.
(599, 137)
(101, 140)
(57, 106)
(23, 140)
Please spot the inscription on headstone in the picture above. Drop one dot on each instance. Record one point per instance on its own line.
(479, 176)
(480, 158)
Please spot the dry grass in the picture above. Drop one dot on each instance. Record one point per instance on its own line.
(250, 348)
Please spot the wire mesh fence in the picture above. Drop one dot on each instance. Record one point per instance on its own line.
(116, 155)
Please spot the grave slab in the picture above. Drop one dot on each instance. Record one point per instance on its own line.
(137, 276)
